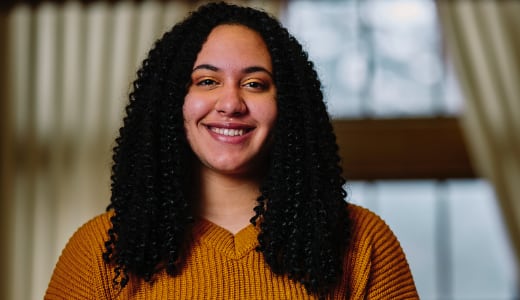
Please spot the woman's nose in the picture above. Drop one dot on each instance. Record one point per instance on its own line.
(230, 102)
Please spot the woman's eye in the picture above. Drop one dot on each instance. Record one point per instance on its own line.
(255, 85)
(206, 82)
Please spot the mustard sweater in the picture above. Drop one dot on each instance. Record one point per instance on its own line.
(226, 266)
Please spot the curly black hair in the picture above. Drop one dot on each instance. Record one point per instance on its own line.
(303, 218)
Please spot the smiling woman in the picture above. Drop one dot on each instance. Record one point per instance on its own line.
(226, 181)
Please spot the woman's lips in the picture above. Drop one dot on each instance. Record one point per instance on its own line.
(229, 131)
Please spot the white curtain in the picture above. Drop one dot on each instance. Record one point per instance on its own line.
(483, 41)
(69, 70)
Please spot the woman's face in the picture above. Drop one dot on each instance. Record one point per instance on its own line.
(230, 108)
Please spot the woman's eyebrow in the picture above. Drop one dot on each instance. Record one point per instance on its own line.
(207, 67)
(254, 69)
(247, 70)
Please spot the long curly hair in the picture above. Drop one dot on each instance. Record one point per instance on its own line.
(303, 218)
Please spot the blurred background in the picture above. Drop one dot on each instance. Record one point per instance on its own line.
(424, 95)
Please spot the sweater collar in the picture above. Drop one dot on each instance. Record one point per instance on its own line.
(233, 246)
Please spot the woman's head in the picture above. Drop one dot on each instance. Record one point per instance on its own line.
(230, 107)
(302, 187)
(165, 76)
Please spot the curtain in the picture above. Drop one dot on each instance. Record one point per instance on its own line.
(483, 41)
(69, 70)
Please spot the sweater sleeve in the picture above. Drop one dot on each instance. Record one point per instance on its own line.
(383, 271)
(74, 275)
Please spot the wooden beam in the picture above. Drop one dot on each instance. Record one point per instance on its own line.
(403, 149)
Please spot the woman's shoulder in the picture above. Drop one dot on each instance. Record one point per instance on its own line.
(93, 233)
(80, 269)
(97, 226)
(362, 214)
(368, 225)
(377, 263)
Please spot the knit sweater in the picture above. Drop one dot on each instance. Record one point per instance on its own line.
(226, 266)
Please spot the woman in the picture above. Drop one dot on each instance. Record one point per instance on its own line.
(226, 183)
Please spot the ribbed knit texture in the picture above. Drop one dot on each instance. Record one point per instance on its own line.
(223, 266)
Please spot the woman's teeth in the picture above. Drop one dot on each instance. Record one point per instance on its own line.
(228, 131)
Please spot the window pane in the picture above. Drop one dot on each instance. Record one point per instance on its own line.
(451, 232)
(377, 58)
(483, 262)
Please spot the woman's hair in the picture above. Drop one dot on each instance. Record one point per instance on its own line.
(301, 210)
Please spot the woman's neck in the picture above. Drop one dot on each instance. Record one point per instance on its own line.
(227, 201)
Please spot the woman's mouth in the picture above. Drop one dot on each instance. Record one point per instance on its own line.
(227, 131)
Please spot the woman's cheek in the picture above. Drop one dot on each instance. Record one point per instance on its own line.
(195, 107)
